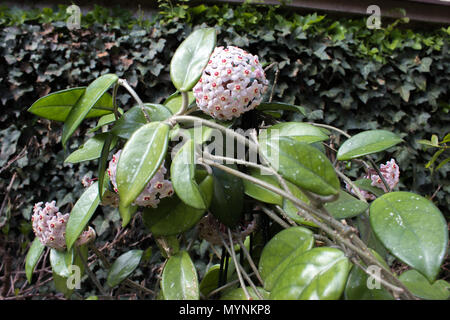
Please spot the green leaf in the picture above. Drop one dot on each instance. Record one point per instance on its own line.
(123, 267)
(412, 228)
(175, 102)
(367, 142)
(172, 216)
(134, 118)
(291, 210)
(61, 285)
(57, 106)
(126, 212)
(103, 178)
(301, 164)
(357, 285)
(317, 274)
(302, 132)
(91, 149)
(179, 279)
(259, 193)
(419, 286)
(346, 206)
(191, 57)
(33, 255)
(105, 120)
(280, 251)
(228, 200)
(210, 280)
(182, 175)
(81, 213)
(239, 294)
(141, 157)
(267, 106)
(85, 103)
(60, 262)
(366, 184)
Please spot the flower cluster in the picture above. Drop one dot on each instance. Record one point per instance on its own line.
(232, 83)
(157, 188)
(213, 231)
(49, 225)
(390, 172)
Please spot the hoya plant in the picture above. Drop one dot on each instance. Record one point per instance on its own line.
(272, 198)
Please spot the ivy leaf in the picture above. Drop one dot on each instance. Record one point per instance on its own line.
(412, 228)
(141, 157)
(179, 278)
(367, 142)
(85, 103)
(123, 267)
(191, 57)
(57, 105)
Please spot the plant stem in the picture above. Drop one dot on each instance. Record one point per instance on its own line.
(250, 261)
(184, 103)
(114, 98)
(125, 84)
(331, 128)
(91, 274)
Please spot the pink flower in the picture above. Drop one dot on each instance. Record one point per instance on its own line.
(232, 83)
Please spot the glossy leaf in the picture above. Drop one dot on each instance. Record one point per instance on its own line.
(33, 255)
(174, 102)
(291, 210)
(105, 120)
(317, 274)
(81, 213)
(60, 261)
(280, 251)
(228, 199)
(419, 286)
(300, 163)
(85, 103)
(366, 184)
(346, 206)
(103, 178)
(123, 267)
(126, 213)
(239, 294)
(275, 106)
(172, 216)
(182, 175)
(91, 149)
(302, 132)
(179, 278)
(134, 118)
(141, 157)
(191, 57)
(259, 193)
(412, 228)
(57, 105)
(210, 280)
(367, 142)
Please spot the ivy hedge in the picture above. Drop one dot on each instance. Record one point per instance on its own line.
(341, 72)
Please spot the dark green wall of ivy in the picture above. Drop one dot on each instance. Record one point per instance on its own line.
(343, 73)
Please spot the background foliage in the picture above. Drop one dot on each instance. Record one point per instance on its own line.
(344, 74)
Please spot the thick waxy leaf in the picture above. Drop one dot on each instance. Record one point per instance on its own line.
(239, 294)
(299, 131)
(172, 216)
(175, 102)
(228, 199)
(317, 274)
(134, 118)
(179, 279)
(358, 282)
(57, 106)
(60, 262)
(33, 255)
(123, 267)
(191, 58)
(301, 164)
(275, 106)
(346, 206)
(105, 120)
(210, 280)
(291, 210)
(86, 102)
(419, 286)
(367, 142)
(126, 212)
(412, 228)
(103, 178)
(280, 251)
(182, 175)
(366, 184)
(91, 149)
(257, 192)
(81, 213)
(141, 157)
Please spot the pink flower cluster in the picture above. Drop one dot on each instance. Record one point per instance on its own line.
(232, 83)
(157, 188)
(390, 172)
(49, 225)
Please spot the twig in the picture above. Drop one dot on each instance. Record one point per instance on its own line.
(250, 261)
(91, 274)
